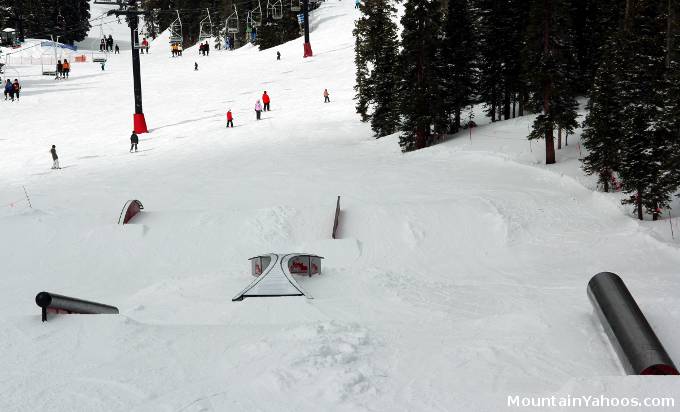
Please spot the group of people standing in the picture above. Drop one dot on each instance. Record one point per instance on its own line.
(176, 49)
(12, 89)
(263, 105)
(204, 49)
(259, 108)
(63, 69)
(106, 43)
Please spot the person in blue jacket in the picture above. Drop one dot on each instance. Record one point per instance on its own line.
(9, 90)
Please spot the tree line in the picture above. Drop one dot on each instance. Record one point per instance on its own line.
(533, 56)
(68, 19)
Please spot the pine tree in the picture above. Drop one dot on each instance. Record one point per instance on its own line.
(377, 65)
(646, 167)
(458, 56)
(550, 62)
(602, 127)
(502, 83)
(420, 106)
(276, 32)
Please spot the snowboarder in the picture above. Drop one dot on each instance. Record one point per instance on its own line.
(258, 109)
(102, 64)
(206, 49)
(60, 70)
(230, 119)
(67, 69)
(9, 90)
(266, 100)
(109, 43)
(134, 139)
(16, 87)
(102, 45)
(278, 55)
(55, 158)
(195, 66)
(117, 49)
(326, 98)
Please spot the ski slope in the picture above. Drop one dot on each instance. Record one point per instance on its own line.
(459, 279)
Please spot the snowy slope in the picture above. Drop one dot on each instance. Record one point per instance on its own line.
(459, 280)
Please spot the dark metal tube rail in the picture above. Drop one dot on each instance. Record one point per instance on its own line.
(337, 219)
(635, 342)
(59, 303)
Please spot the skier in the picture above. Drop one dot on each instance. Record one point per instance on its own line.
(145, 46)
(326, 98)
(9, 90)
(258, 109)
(357, 4)
(110, 43)
(60, 70)
(195, 66)
(230, 119)
(55, 158)
(102, 64)
(266, 100)
(102, 45)
(117, 49)
(134, 139)
(67, 68)
(16, 87)
(206, 49)
(278, 55)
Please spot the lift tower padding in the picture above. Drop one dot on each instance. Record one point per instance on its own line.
(635, 342)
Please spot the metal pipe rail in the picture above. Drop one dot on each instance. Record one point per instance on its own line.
(51, 302)
(636, 344)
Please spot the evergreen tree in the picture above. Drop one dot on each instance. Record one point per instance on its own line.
(602, 127)
(646, 167)
(595, 23)
(420, 105)
(377, 64)
(501, 32)
(550, 62)
(275, 32)
(458, 55)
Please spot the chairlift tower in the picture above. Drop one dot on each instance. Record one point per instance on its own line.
(132, 13)
(305, 14)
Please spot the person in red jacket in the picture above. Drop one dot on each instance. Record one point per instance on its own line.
(230, 119)
(265, 100)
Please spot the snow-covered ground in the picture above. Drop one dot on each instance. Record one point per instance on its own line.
(459, 279)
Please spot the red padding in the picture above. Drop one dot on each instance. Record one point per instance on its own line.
(308, 50)
(140, 123)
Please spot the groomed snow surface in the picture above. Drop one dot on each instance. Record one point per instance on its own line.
(459, 279)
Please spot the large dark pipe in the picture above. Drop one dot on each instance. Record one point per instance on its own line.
(58, 303)
(635, 342)
(337, 219)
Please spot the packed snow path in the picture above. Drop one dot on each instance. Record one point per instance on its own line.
(460, 277)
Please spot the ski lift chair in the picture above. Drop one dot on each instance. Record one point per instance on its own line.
(275, 9)
(232, 22)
